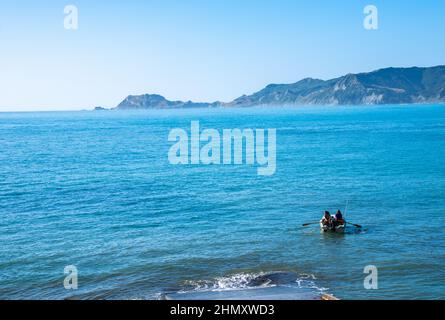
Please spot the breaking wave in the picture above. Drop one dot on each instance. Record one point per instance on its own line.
(243, 281)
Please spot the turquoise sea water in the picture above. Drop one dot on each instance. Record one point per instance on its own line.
(96, 190)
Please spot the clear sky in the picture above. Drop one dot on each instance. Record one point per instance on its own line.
(200, 50)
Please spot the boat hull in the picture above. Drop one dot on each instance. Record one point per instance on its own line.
(337, 229)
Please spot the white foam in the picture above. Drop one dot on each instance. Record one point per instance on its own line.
(245, 281)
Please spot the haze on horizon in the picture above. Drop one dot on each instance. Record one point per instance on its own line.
(200, 50)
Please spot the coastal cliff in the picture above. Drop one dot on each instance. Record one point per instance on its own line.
(385, 86)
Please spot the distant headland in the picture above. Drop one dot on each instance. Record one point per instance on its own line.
(385, 86)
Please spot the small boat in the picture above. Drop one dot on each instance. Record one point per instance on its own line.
(331, 228)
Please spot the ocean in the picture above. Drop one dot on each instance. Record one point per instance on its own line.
(96, 190)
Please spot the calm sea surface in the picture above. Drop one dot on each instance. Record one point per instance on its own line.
(96, 190)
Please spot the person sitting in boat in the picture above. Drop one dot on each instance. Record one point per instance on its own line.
(326, 220)
(338, 219)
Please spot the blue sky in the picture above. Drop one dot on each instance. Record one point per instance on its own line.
(200, 50)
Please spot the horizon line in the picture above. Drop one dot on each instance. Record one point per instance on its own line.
(49, 109)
